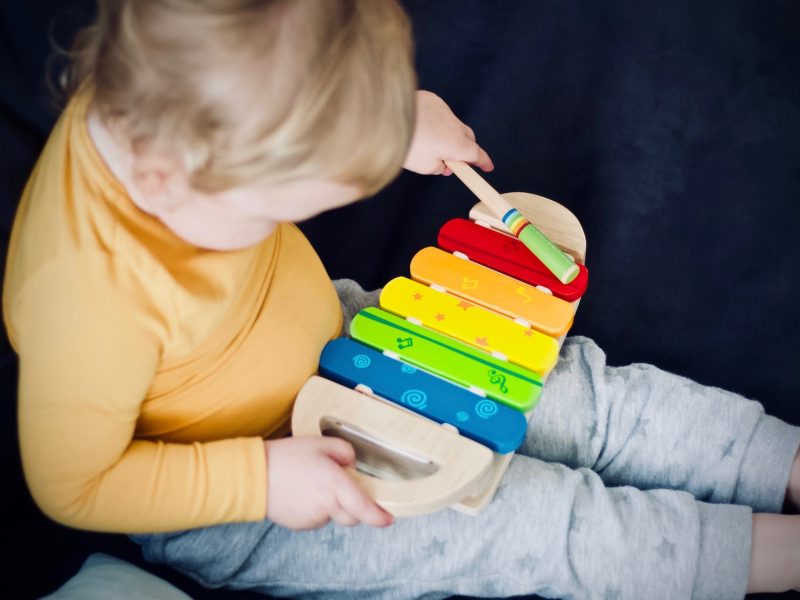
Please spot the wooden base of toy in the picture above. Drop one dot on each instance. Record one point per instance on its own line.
(417, 466)
(408, 464)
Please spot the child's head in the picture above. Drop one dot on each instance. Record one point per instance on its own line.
(256, 92)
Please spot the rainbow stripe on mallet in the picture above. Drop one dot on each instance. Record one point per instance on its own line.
(551, 255)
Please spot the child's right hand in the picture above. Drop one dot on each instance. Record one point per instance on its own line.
(308, 485)
(439, 136)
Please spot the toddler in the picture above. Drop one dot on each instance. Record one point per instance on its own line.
(166, 312)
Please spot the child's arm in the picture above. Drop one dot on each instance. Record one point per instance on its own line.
(87, 360)
(438, 136)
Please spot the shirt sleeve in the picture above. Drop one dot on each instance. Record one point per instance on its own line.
(88, 354)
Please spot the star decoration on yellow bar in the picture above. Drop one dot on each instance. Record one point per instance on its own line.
(464, 305)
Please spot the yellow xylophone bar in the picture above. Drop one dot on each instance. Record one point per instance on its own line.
(475, 325)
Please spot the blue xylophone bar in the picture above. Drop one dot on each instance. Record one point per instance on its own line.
(488, 422)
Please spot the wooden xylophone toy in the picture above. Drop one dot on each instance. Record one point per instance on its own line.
(435, 387)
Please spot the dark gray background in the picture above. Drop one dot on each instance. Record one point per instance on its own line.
(670, 129)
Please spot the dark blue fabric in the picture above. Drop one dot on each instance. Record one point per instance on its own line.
(671, 130)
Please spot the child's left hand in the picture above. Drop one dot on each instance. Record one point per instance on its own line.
(440, 136)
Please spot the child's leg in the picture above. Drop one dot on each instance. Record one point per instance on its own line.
(353, 298)
(641, 426)
(775, 555)
(550, 530)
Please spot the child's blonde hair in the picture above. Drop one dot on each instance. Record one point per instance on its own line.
(246, 90)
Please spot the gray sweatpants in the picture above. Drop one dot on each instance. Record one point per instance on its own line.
(632, 483)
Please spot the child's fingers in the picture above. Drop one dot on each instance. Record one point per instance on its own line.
(438, 168)
(482, 160)
(472, 153)
(339, 450)
(356, 502)
(344, 518)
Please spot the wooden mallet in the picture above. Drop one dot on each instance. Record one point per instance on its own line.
(561, 265)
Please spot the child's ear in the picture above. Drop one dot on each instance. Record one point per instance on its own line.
(161, 180)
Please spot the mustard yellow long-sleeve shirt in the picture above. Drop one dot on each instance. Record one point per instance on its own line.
(150, 370)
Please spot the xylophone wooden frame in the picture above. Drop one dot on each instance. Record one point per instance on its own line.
(468, 474)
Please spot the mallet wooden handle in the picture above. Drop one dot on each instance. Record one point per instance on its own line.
(480, 187)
